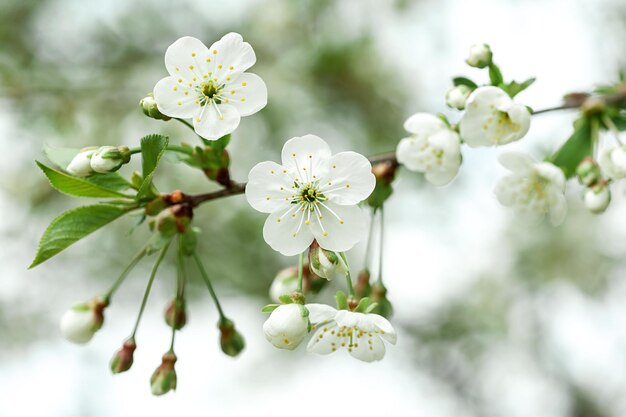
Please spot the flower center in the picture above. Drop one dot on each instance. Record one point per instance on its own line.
(210, 92)
(308, 195)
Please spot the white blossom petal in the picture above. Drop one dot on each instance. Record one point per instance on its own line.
(187, 58)
(424, 124)
(350, 179)
(516, 162)
(368, 349)
(230, 56)
(175, 98)
(215, 121)
(320, 312)
(325, 341)
(306, 156)
(247, 93)
(286, 232)
(269, 188)
(387, 331)
(340, 227)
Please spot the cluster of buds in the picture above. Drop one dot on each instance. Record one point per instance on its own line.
(103, 160)
(82, 321)
(597, 194)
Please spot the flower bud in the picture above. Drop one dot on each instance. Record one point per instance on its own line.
(362, 288)
(287, 326)
(82, 321)
(231, 341)
(480, 56)
(588, 172)
(286, 282)
(175, 314)
(457, 96)
(612, 161)
(80, 166)
(174, 219)
(379, 296)
(597, 198)
(149, 107)
(123, 359)
(109, 158)
(164, 377)
(325, 263)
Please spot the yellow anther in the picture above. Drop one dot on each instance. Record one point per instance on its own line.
(231, 68)
(208, 60)
(267, 198)
(243, 99)
(220, 66)
(325, 233)
(215, 52)
(179, 103)
(232, 91)
(175, 88)
(278, 220)
(186, 93)
(193, 54)
(334, 166)
(177, 69)
(244, 83)
(190, 67)
(340, 221)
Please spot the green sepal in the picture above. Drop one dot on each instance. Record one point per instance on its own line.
(342, 300)
(304, 312)
(576, 148)
(372, 307)
(364, 303)
(72, 226)
(285, 299)
(382, 191)
(456, 81)
(189, 241)
(269, 308)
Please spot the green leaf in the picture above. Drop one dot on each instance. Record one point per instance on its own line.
(342, 300)
(514, 88)
(61, 157)
(464, 81)
(97, 186)
(575, 149)
(269, 308)
(152, 149)
(495, 75)
(72, 226)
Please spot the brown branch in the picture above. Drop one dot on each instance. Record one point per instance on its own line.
(572, 101)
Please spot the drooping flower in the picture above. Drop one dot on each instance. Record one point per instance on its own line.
(82, 321)
(209, 85)
(456, 97)
(480, 56)
(433, 149)
(612, 161)
(533, 189)
(326, 263)
(80, 165)
(361, 334)
(287, 326)
(493, 118)
(312, 195)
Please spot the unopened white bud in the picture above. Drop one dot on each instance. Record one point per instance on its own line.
(109, 158)
(81, 322)
(597, 198)
(286, 282)
(457, 96)
(480, 56)
(80, 165)
(287, 326)
(325, 263)
(612, 161)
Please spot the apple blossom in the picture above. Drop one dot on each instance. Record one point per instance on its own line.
(361, 334)
(312, 195)
(533, 189)
(493, 118)
(433, 148)
(209, 85)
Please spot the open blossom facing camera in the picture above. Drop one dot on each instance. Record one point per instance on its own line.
(312, 195)
(493, 118)
(433, 149)
(361, 334)
(210, 85)
(534, 189)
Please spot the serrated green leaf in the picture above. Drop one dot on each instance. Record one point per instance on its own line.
(152, 149)
(464, 81)
(72, 226)
(495, 75)
(575, 149)
(97, 186)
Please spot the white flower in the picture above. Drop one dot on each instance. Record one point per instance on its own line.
(326, 264)
(81, 322)
(360, 333)
(597, 199)
(210, 85)
(312, 195)
(480, 56)
(533, 189)
(612, 161)
(456, 97)
(287, 326)
(286, 282)
(493, 118)
(433, 148)
(109, 158)
(80, 165)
